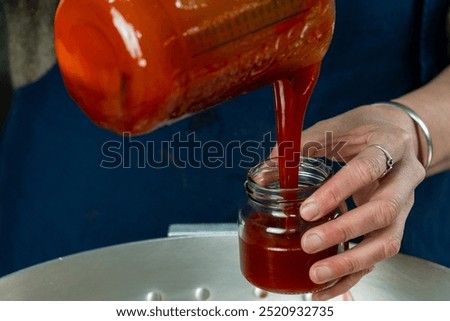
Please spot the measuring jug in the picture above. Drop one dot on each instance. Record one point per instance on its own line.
(135, 65)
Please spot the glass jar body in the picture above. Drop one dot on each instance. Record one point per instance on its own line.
(270, 229)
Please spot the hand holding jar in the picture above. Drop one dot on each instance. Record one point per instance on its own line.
(385, 154)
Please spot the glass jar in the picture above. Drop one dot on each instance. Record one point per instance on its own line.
(270, 229)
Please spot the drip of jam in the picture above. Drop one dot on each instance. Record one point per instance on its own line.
(291, 100)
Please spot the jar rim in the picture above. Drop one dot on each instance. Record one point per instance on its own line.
(313, 172)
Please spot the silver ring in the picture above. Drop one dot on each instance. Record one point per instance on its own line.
(389, 159)
(420, 123)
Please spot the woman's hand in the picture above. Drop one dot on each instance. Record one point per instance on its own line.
(383, 203)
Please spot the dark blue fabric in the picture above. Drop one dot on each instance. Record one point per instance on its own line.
(56, 199)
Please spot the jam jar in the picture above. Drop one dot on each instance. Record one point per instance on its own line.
(270, 228)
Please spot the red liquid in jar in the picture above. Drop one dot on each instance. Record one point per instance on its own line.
(276, 262)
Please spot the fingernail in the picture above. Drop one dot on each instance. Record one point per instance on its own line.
(309, 211)
(321, 274)
(312, 243)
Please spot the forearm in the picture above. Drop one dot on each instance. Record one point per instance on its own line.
(432, 103)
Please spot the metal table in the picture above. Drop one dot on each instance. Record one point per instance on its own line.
(197, 268)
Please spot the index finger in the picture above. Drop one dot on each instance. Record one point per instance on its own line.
(364, 169)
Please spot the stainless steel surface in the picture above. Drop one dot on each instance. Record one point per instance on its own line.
(197, 268)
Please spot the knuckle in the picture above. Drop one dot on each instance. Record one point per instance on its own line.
(333, 194)
(388, 211)
(419, 171)
(392, 246)
(404, 137)
(351, 265)
(367, 170)
(344, 233)
(410, 201)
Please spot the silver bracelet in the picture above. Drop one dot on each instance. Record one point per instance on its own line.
(416, 118)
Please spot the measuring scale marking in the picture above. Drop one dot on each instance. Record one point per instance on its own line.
(246, 20)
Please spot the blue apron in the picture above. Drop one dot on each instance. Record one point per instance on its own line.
(62, 190)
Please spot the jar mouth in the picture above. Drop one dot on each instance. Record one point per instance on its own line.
(263, 180)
